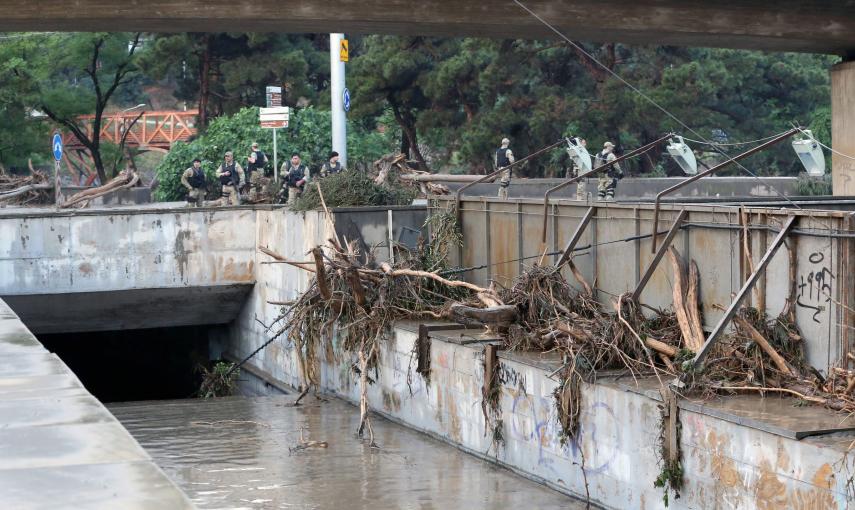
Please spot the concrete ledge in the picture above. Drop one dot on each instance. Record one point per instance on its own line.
(61, 447)
(115, 310)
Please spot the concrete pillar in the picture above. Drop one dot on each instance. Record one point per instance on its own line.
(843, 127)
(337, 85)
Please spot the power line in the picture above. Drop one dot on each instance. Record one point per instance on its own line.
(732, 144)
(650, 100)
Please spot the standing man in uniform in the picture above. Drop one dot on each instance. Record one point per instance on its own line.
(607, 182)
(332, 166)
(295, 175)
(502, 158)
(230, 174)
(194, 180)
(255, 170)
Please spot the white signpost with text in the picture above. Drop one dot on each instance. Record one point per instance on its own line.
(274, 117)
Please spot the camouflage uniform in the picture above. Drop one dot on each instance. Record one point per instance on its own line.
(502, 158)
(195, 196)
(607, 182)
(231, 194)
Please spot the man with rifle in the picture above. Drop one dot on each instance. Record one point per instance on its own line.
(230, 174)
(194, 180)
(295, 175)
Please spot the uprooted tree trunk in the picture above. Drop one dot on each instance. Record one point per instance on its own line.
(126, 179)
(686, 293)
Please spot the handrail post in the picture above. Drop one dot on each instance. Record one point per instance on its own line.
(574, 240)
(746, 288)
(651, 268)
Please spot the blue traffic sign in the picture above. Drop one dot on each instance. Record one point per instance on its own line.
(57, 146)
(345, 96)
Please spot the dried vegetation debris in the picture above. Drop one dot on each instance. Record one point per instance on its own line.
(34, 188)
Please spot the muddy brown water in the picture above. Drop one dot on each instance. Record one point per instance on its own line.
(234, 453)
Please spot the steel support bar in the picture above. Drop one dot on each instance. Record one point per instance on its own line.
(580, 229)
(651, 268)
(746, 288)
(601, 168)
(712, 170)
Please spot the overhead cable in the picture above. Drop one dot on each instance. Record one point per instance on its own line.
(650, 100)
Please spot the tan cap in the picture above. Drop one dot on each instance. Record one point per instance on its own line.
(608, 144)
(505, 141)
(229, 153)
(254, 145)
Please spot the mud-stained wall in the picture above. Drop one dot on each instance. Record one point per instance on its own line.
(726, 465)
(615, 250)
(137, 248)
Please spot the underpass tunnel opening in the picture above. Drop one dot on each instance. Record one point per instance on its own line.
(139, 364)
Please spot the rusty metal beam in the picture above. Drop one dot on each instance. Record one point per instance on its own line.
(712, 170)
(651, 268)
(577, 235)
(601, 168)
(746, 288)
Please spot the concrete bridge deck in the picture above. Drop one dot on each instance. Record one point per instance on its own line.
(817, 26)
(60, 446)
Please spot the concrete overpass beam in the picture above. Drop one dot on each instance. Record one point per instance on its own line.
(843, 127)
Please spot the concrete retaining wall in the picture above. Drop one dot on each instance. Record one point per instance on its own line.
(727, 465)
(45, 252)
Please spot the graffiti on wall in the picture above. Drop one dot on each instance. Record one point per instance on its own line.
(535, 420)
(814, 288)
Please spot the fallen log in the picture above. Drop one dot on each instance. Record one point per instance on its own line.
(692, 307)
(24, 189)
(497, 316)
(578, 334)
(126, 179)
(764, 344)
(685, 295)
(661, 347)
(323, 284)
(426, 177)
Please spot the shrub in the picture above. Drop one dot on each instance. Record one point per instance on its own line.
(309, 134)
(352, 189)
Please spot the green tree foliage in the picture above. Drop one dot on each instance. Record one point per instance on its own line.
(462, 96)
(224, 72)
(309, 133)
(67, 75)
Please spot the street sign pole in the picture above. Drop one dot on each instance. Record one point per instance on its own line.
(339, 54)
(274, 118)
(56, 146)
(274, 100)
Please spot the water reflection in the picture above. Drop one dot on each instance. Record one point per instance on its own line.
(235, 453)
